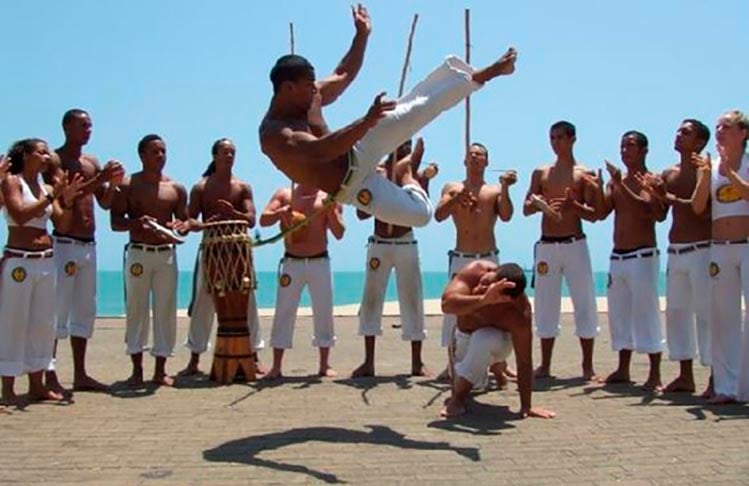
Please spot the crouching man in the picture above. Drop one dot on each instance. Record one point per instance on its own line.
(493, 317)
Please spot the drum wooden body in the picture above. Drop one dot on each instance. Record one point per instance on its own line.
(229, 278)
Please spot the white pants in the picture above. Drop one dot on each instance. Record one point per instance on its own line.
(456, 261)
(688, 302)
(570, 259)
(634, 310)
(151, 275)
(475, 352)
(76, 287)
(202, 315)
(27, 314)
(729, 269)
(445, 87)
(384, 255)
(293, 275)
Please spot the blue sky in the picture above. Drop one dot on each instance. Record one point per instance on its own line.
(194, 71)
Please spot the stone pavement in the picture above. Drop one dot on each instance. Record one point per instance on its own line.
(383, 430)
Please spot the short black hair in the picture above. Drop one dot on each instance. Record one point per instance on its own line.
(513, 273)
(146, 140)
(642, 140)
(482, 147)
(290, 68)
(17, 150)
(703, 133)
(72, 113)
(569, 128)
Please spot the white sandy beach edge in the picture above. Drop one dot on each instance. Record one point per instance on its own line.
(431, 308)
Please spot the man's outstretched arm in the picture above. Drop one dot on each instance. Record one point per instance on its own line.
(333, 86)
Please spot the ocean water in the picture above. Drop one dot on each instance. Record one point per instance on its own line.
(347, 289)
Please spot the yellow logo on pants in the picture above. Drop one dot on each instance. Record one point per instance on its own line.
(542, 268)
(18, 274)
(374, 263)
(714, 269)
(70, 269)
(284, 280)
(364, 197)
(136, 269)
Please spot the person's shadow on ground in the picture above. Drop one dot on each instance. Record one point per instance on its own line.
(368, 383)
(247, 450)
(479, 419)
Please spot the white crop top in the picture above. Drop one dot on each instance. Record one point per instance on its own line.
(727, 201)
(28, 198)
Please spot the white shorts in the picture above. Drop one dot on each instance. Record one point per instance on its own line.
(151, 275)
(203, 313)
(27, 313)
(76, 287)
(569, 258)
(688, 302)
(634, 309)
(729, 272)
(293, 275)
(445, 87)
(384, 255)
(456, 261)
(475, 352)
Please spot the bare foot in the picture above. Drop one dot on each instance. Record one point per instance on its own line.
(541, 372)
(260, 369)
(363, 371)
(616, 377)
(721, 399)
(44, 394)
(52, 382)
(86, 383)
(190, 370)
(273, 374)
(135, 380)
(10, 399)
(327, 372)
(501, 381)
(444, 376)
(421, 370)
(680, 384)
(452, 410)
(504, 66)
(163, 380)
(709, 392)
(589, 374)
(653, 385)
(509, 372)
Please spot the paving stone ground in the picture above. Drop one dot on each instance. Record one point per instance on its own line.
(383, 430)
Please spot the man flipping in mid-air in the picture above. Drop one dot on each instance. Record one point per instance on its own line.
(343, 162)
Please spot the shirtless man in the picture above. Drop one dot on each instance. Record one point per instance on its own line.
(494, 316)
(474, 207)
(688, 284)
(75, 248)
(343, 162)
(634, 310)
(219, 195)
(4, 169)
(305, 263)
(562, 250)
(150, 257)
(394, 248)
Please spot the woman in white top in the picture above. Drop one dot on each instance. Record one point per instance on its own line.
(27, 282)
(725, 185)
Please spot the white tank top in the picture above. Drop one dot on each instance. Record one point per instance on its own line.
(28, 198)
(727, 201)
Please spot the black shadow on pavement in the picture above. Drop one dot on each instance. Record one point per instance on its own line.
(296, 382)
(247, 450)
(480, 419)
(120, 389)
(553, 383)
(365, 384)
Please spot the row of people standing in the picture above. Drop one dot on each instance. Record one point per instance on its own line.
(565, 191)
